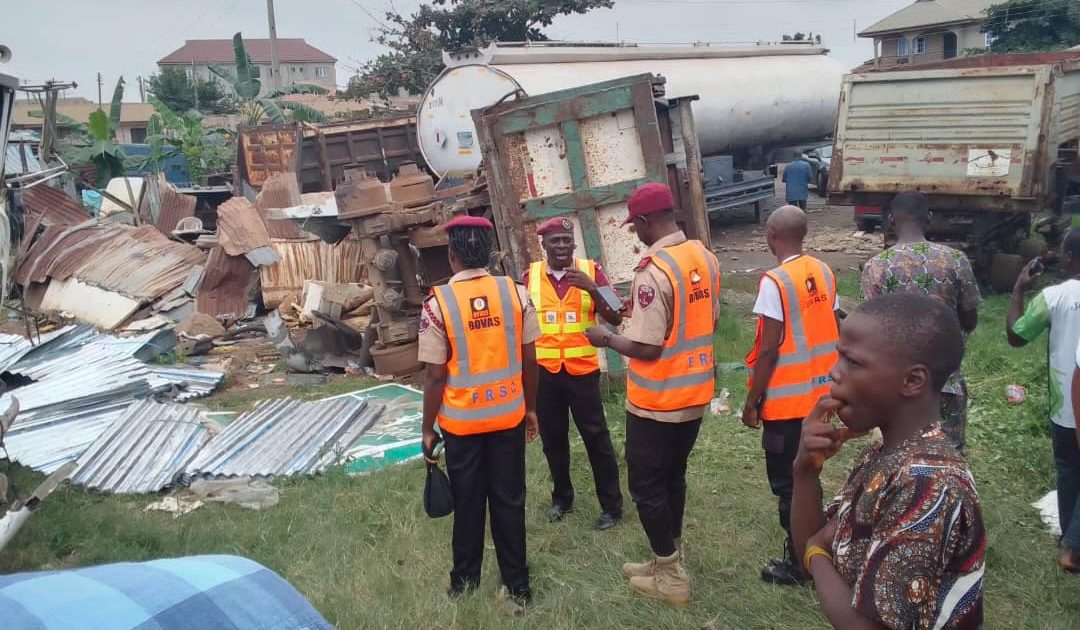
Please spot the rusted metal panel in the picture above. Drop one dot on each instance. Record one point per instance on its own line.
(379, 146)
(987, 133)
(240, 227)
(580, 153)
(55, 205)
(265, 150)
(174, 207)
(226, 288)
(280, 191)
(314, 259)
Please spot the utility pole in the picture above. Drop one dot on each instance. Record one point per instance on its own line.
(274, 63)
(99, 90)
(142, 90)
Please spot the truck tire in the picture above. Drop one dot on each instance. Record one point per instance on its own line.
(822, 184)
(865, 224)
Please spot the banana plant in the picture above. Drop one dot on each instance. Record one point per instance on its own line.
(245, 83)
(207, 151)
(102, 150)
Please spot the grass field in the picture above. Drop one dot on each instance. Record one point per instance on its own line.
(363, 552)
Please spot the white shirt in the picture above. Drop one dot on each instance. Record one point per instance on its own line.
(1057, 308)
(768, 302)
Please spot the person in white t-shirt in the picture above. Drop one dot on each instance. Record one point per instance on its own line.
(1057, 308)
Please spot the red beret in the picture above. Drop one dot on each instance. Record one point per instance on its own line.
(648, 199)
(467, 221)
(555, 224)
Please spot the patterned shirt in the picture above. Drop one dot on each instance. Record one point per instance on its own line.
(910, 539)
(928, 268)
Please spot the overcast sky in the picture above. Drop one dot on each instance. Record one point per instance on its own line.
(73, 40)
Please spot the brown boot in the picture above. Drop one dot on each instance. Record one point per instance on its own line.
(669, 581)
(645, 569)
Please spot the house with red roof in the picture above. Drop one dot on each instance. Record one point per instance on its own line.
(299, 61)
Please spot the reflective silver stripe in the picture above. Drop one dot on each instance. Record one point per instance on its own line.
(687, 345)
(681, 295)
(482, 413)
(830, 281)
(794, 315)
(797, 389)
(714, 283)
(466, 377)
(815, 352)
(674, 382)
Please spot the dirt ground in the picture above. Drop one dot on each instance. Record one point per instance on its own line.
(833, 237)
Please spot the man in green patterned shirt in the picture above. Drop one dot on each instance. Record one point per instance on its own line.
(915, 265)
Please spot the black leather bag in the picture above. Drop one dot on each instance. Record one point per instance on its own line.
(438, 496)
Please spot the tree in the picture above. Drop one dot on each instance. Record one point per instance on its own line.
(207, 151)
(99, 145)
(1020, 26)
(416, 42)
(245, 83)
(173, 87)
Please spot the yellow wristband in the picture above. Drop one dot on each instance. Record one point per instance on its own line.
(812, 551)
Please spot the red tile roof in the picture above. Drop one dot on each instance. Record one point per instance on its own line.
(221, 51)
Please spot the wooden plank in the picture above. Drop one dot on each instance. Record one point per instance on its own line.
(649, 132)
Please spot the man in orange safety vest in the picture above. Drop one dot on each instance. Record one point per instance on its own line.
(566, 294)
(669, 383)
(794, 349)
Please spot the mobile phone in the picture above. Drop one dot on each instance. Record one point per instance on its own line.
(610, 299)
(1035, 267)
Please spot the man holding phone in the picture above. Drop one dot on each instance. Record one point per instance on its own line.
(568, 293)
(1056, 308)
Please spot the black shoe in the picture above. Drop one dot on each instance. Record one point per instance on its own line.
(556, 512)
(783, 573)
(461, 589)
(607, 520)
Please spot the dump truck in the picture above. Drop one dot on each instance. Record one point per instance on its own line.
(991, 140)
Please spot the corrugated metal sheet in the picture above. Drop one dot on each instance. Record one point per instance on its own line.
(174, 207)
(310, 260)
(280, 190)
(287, 437)
(225, 288)
(240, 227)
(55, 205)
(17, 154)
(144, 449)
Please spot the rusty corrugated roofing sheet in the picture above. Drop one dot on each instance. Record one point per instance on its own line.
(55, 205)
(224, 290)
(310, 260)
(280, 190)
(241, 227)
(174, 206)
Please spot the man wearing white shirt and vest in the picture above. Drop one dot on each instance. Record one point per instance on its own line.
(566, 294)
(794, 350)
(477, 336)
(669, 382)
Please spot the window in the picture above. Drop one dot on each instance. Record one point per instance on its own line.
(988, 38)
(901, 47)
(190, 72)
(138, 135)
(321, 72)
(920, 45)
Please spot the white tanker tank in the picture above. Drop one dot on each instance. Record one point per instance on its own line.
(752, 97)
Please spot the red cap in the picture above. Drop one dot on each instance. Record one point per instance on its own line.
(649, 198)
(467, 221)
(555, 224)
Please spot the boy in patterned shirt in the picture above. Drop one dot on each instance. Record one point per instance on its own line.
(903, 544)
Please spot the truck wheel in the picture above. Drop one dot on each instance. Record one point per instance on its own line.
(865, 224)
(1003, 271)
(823, 184)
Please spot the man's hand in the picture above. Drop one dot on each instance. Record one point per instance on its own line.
(532, 427)
(820, 439)
(750, 416)
(581, 280)
(598, 336)
(430, 440)
(1026, 278)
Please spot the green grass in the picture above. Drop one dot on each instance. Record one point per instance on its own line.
(363, 552)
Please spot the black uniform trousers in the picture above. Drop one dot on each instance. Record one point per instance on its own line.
(656, 454)
(780, 439)
(488, 469)
(559, 395)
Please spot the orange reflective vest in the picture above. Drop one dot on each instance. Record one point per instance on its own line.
(684, 375)
(483, 392)
(808, 349)
(563, 322)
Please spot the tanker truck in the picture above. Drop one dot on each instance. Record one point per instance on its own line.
(753, 100)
